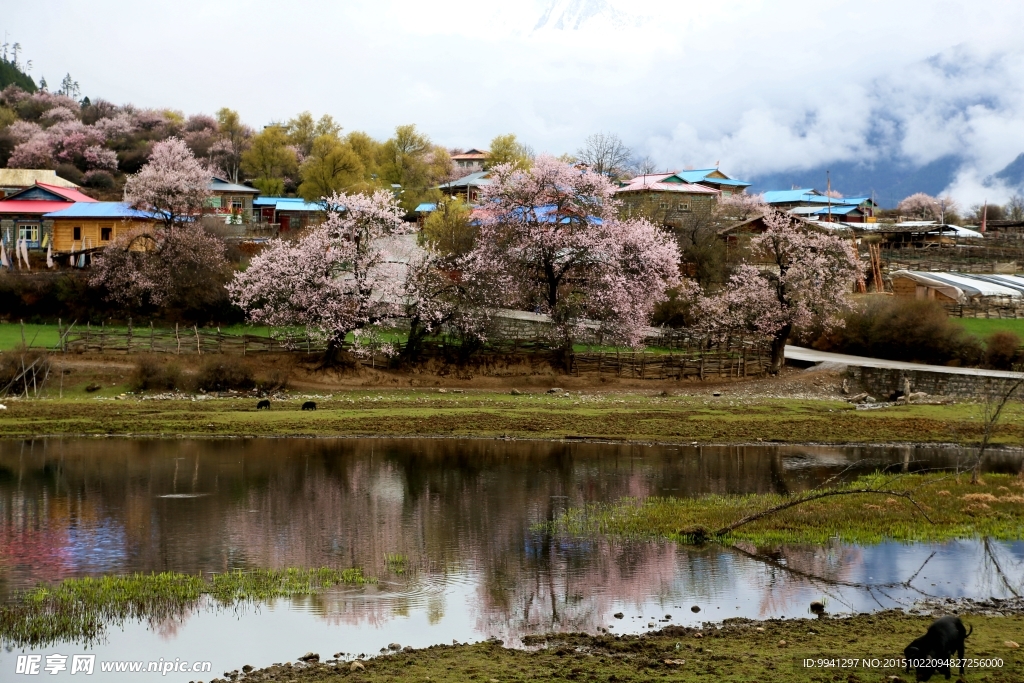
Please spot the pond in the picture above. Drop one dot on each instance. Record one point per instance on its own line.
(450, 530)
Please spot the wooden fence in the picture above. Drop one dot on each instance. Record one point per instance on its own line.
(689, 355)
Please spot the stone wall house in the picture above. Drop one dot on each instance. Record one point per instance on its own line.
(666, 199)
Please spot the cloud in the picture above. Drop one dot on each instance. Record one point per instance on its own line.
(759, 85)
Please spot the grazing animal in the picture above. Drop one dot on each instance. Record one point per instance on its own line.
(945, 636)
(309, 405)
(263, 405)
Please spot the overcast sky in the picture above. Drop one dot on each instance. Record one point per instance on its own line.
(759, 85)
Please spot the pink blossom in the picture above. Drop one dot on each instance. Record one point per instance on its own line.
(173, 184)
(97, 157)
(37, 152)
(551, 241)
(142, 267)
(119, 126)
(336, 278)
(23, 131)
(58, 115)
(805, 279)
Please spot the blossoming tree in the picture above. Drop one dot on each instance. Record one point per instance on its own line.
(343, 276)
(178, 264)
(551, 241)
(805, 278)
(173, 185)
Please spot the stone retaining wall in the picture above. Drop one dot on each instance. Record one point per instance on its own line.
(883, 382)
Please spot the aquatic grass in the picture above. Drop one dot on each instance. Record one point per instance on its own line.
(79, 610)
(396, 563)
(958, 510)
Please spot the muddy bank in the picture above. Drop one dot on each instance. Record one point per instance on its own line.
(735, 650)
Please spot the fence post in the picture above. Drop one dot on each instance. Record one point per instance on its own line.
(151, 336)
(199, 348)
(177, 339)
(128, 347)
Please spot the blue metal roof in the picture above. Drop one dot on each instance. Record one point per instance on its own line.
(272, 201)
(426, 207)
(701, 175)
(297, 205)
(99, 210)
(810, 196)
(783, 196)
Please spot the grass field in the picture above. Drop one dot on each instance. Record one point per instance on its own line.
(983, 327)
(47, 336)
(489, 414)
(955, 508)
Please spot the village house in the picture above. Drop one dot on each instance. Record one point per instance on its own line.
(667, 199)
(230, 200)
(85, 226)
(14, 180)
(22, 213)
(471, 161)
(287, 213)
(806, 198)
(715, 179)
(467, 188)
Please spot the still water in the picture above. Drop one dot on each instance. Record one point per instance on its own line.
(462, 515)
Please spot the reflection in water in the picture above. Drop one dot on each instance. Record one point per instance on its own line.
(462, 517)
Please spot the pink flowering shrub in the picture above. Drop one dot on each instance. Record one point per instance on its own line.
(97, 157)
(37, 152)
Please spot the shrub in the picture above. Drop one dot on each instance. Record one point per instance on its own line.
(895, 328)
(1002, 350)
(151, 374)
(224, 372)
(99, 179)
(14, 379)
(275, 380)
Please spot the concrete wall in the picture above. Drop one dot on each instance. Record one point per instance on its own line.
(882, 382)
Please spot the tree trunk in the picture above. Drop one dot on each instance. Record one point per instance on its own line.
(779, 349)
(335, 355)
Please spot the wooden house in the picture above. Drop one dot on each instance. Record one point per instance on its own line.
(230, 200)
(22, 213)
(89, 226)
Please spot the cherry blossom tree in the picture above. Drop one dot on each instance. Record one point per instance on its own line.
(36, 152)
(177, 265)
(339, 277)
(551, 241)
(805, 279)
(174, 185)
(183, 271)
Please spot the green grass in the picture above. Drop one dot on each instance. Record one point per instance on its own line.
(424, 412)
(46, 335)
(80, 610)
(956, 509)
(983, 327)
(739, 651)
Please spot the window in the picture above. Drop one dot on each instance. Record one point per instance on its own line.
(683, 206)
(663, 205)
(214, 202)
(105, 234)
(28, 231)
(76, 233)
(237, 203)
